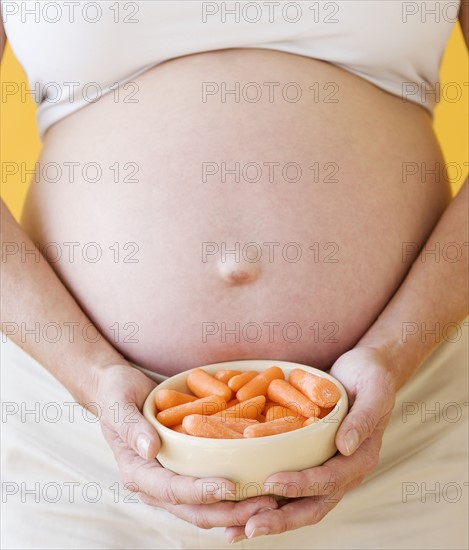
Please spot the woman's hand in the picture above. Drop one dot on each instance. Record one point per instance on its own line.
(311, 494)
(121, 392)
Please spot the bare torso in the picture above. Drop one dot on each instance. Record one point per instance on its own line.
(161, 290)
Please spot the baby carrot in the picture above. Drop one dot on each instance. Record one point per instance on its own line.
(200, 425)
(325, 411)
(225, 375)
(240, 380)
(285, 394)
(281, 425)
(237, 424)
(259, 384)
(268, 405)
(165, 399)
(232, 403)
(207, 405)
(202, 384)
(179, 428)
(277, 411)
(251, 408)
(319, 390)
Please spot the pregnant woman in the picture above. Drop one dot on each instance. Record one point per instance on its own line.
(232, 180)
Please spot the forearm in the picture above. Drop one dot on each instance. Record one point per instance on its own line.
(40, 315)
(434, 295)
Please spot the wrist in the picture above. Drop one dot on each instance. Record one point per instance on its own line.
(402, 358)
(86, 387)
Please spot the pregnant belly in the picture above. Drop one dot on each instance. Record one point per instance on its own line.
(195, 225)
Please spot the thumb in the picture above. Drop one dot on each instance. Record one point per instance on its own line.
(137, 432)
(361, 421)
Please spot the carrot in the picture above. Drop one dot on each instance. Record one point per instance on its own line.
(259, 384)
(207, 405)
(281, 425)
(205, 426)
(179, 428)
(232, 403)
(251, 408)
(285, 394)
(325, 411)
(237, 424)
(321, 391)
(225, 375)
(165, 399)
(268, 405)
(277, 411)
(202, 384)
(310, 421)
(240, 380)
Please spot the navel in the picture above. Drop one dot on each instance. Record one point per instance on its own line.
(236, 273)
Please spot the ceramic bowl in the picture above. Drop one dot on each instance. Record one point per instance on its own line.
(247, 462)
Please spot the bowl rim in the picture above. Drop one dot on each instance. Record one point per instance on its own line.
(252, 440)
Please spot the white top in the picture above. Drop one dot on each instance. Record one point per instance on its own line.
(75, 51)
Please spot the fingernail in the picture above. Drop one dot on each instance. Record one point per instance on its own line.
(265, 509)
(259, 532)
(238, 539)
(143, 444)
(351, 440)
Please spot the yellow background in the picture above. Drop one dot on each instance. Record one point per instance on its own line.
(20, 142)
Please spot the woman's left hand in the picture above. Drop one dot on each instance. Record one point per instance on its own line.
(311, 494)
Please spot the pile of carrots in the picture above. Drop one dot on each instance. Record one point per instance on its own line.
(232, 404)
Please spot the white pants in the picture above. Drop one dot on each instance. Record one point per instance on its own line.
(61, 489)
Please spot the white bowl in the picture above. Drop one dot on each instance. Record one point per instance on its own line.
(247, 462)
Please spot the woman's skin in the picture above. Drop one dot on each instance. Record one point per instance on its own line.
(370, 318)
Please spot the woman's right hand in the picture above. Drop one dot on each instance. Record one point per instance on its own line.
(121, 392)
(119, 389)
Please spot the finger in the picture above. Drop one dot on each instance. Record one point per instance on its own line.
(329, 478)
(151, 478)
(136, 431)
(295, 514)
(222, 514)
(122, 393)
(236, 533)
(368, 408)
